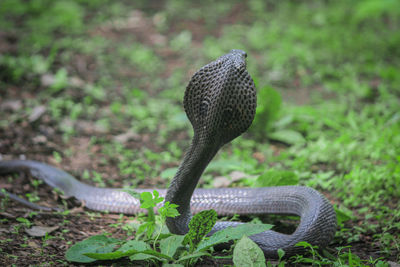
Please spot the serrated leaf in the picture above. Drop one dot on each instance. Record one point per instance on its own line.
(199, 226)
(94, 244)
(168, 210)
(233, 233)
(148, 201)
(169, 245)
(247, 253)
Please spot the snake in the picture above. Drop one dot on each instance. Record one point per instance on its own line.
(220, 103)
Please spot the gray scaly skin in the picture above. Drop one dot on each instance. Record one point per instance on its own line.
(220, 102)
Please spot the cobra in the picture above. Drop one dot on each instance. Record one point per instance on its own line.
(220, 102)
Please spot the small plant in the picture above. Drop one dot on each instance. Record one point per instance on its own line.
(344, 257)
(165, 247)
(24, 222)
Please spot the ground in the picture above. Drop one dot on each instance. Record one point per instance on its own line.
(98, 93)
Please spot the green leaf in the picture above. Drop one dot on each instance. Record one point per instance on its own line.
(247, 253)
(139, 246)
(305, 244)
(281, 253)
(132, 192)
(111, 255)
(94, 244)
(134, 245)
(148, 201)
(168, 210)
(169, 245)
(290, 137)
(197, 254)
(224, 165)
(277, 178)
(268, 106)
(168, 173)
(199, 226)
(142, 257)
(157, 254)
(119, 254)
(233, 233)
(147, 227)
(342, 215)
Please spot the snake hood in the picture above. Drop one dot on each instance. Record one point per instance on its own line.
(220, 99)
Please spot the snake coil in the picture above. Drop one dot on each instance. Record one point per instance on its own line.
(220, 102)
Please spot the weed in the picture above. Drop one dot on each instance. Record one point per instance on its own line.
(173, 248)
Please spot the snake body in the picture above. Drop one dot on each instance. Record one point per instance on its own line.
(220, 102)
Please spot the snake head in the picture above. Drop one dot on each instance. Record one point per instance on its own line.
(220, 100)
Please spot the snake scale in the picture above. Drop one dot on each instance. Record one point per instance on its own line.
(220, 102)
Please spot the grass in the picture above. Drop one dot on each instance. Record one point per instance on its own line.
(327, 75)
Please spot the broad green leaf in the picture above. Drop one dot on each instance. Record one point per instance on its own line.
(139, 246)
(141, 257)
(233, 233)
(199, 226)
(224, 165)
(168, 173)
(173, 265)
(119, 254)
(134, 245)
(111, 255)
(169, 245)
(290, 137)
(157, 254)
(277, 178)
(247, 253)
(197, 254)
(94, 244)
